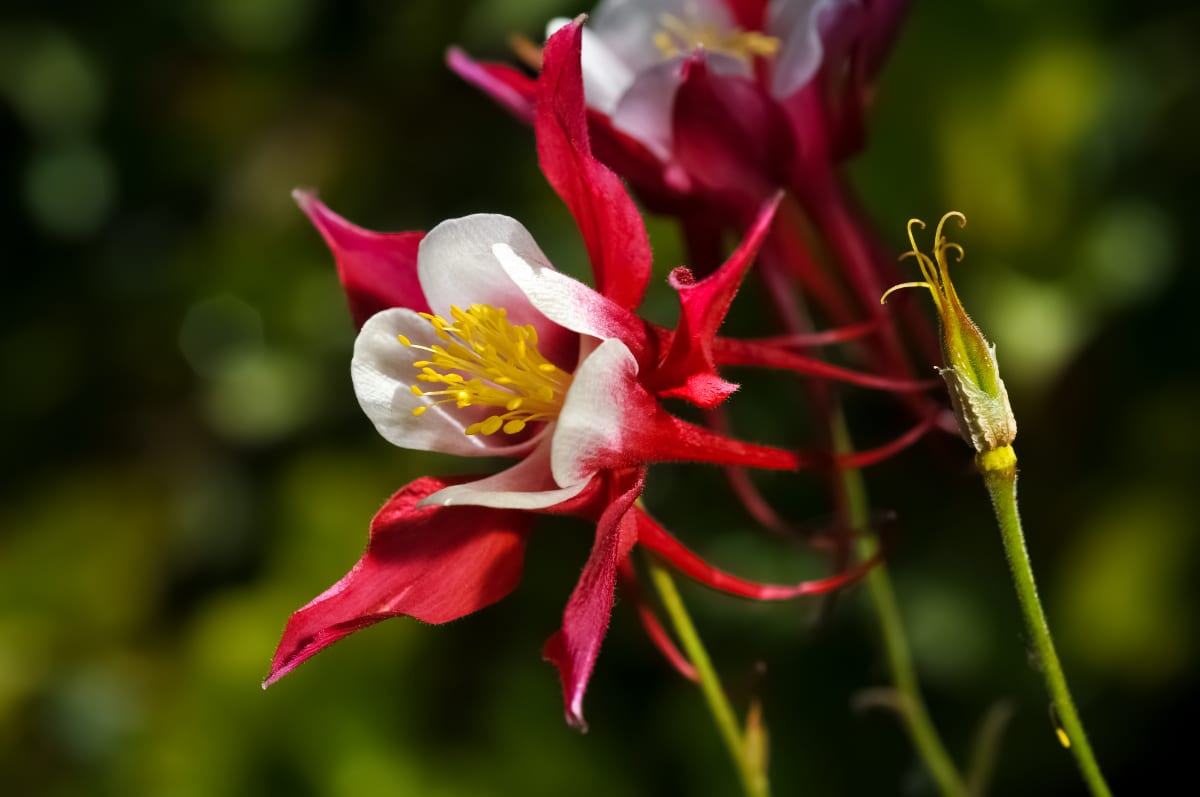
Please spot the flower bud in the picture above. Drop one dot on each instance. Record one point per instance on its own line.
(977, 393)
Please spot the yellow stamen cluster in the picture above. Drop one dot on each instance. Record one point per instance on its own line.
(488, 362)
(678, 36)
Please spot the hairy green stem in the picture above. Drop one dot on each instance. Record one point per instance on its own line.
(1002, 486)
(753, 778)
(913, 713)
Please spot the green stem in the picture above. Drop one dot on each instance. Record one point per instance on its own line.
(913, 713)
(754, 779)
(1002, 486)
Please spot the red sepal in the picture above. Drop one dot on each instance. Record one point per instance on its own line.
(377, 270)
(688, 370)
(655, 538)
(433, 563)
(609, 222)
(510, 87)
(573, 648)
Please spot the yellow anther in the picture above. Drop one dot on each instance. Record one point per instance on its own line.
(419, 411)
(404, 340)
(678, 36)
(1063, 739)
(488, 362)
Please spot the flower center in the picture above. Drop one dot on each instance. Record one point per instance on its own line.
(677, 36)
(488, 362)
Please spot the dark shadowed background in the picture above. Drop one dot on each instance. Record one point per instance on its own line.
(185, 462)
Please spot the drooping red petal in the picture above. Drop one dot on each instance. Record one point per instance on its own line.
(573, 648)
(632, 591)
(432, 563)
(657, 539)
(730, 135)
(510, 87)
(703, 306)
(729, 351)
(609, 222)
(377, 270)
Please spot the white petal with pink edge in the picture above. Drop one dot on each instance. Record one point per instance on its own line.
(568, 302)
(592, 424)
(528, 484)
(383, 374)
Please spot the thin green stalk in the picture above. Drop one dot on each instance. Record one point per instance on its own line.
(913, 713)
(753, 778)
(1002, 486)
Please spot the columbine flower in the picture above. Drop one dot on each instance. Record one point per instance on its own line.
(734, 97)
(471, 343)
(977, 393)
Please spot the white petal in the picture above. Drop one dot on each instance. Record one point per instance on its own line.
(565, 301)
(797, 24)
(383, 373)
(526, 485)
(628, 27)
(644, 112)
(592, 418)
(606, 76)
(456, 266)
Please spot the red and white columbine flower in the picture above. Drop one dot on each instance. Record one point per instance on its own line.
(471, 343)
(729, 97)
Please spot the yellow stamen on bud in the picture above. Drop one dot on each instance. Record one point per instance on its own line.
(490, 362)
(679, 36)
(977, 393)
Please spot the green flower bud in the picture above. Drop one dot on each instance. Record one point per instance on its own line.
(977, 393)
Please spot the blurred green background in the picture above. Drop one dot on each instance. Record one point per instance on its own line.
(185, 462)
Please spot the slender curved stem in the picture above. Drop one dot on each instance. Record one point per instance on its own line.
(913, 713)
(1002, 486)
(753, 777)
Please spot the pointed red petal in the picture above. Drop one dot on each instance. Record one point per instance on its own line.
(574, 648)
(729, 351)
(754, 502)
(826, 337)
(657, 539)
(658, 635)
(861, 459)
(687, 371)
(377, 270)
(507, 86)
(432, 563)
(610, 224)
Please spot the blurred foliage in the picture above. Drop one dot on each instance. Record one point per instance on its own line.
(185, 462)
